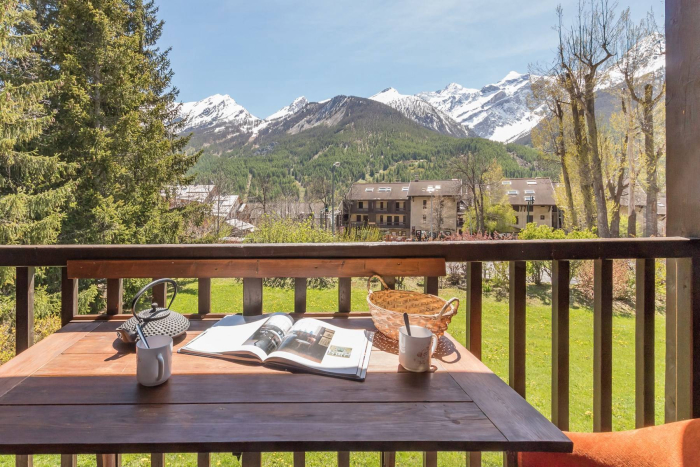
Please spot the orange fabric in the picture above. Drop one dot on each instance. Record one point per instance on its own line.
(673, 445)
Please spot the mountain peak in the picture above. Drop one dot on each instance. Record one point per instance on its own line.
(513, 75)
(287, 111)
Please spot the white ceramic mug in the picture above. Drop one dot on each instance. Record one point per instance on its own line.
(154, 364)
(416, 350)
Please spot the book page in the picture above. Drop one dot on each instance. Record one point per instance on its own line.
(322, 346)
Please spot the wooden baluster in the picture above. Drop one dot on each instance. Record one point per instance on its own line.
(473, 310)
(299, 459)
(390, 282)
(344, 294)
(644, 342)
(24, 302)
(430, 459)
(69, 460)
(203, 459)
(388, 459)
(670, 377)
(300, 295)
(69, 297)
(431, 285)
(203, 296)
(160, 294)
(602, 345)
(24, 461)
(252, 296)
(694, 325)
(560, 344)
(343, 458)
(251, 459)
(109, 460)
(517, 320)
(684, 337)
(157, 460)
(115, 296)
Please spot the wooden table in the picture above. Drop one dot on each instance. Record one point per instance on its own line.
(76, 392)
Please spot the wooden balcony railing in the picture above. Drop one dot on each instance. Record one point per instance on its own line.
(256, 261)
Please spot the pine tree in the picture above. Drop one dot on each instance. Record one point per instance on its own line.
(33, 190)
(116, 119)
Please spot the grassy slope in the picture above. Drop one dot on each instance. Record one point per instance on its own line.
(227, 298)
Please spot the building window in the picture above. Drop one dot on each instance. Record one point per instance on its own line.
(360, 205)
(425, 218)
(359, 218)
(542, 217)
(517, 220)
(366, 219)
(425, 204)
(381, 219)
(398, 205)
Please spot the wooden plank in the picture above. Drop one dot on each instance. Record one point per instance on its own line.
(430, 459)
(473, 307)
(109, 460)
(343, 459)
(560, 343)
(311, 427)
(300, 295)
(387, 459)
(69, 460)
(506, 250)
(644, 342)
(159, 293)
(157, 460)
(344, 294)
(695, 342)
(431, 285)
(258, 268)
(671, 343)
(203, 459)
(203, 296)
(684, 338)
(251, 459)
(16, 370)
(24, 306)
(252, 296)
(24, 461)
(299, 459)
(115, 296)
(602, 345)
(516, 327)
(69, 297)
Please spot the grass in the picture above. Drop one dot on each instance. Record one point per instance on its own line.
(227, 298)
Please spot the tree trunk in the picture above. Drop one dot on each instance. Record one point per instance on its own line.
(651, 223)
(596, 165)
(561, 150)
(583, 163)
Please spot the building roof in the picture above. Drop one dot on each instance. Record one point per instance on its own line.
(402, 190)
(520, 190)
(222, 205)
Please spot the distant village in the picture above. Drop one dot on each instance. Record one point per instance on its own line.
(415, 210)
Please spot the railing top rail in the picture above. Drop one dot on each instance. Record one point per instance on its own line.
(506, 250)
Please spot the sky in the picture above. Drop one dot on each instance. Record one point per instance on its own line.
(266, 53)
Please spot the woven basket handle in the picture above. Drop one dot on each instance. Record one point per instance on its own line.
(447, 305)
(369, 283)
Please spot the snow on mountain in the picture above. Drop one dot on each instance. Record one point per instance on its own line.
(646, 58)
(421, 111)
(219, 110)
(499, 111)
(289, 110)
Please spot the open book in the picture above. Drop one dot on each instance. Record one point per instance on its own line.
(309, 344)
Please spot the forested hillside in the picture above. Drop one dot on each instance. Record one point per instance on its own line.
(370, 140)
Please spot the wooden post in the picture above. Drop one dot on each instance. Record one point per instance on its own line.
(390, 281)
(115, 296)
(344, 294)
(203, 459)
(300, 295)
(251, 459)
(24, 302)
(388, 459)
(24, 461)
(560, 344)
(69, 297)
(671, 328)
(602, 345)
(203, 296)
(252, 296)
(160, 294)
(109, 460)
(343, 458)
(69, 460)
(474, 326)
(517, 320)
(430, 459)
(157, 460)
(683, 197)
(299, 459)
(644, 342)
(431, 285)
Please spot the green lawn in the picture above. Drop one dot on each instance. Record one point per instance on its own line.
(227, 298)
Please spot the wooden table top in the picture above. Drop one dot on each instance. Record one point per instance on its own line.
(76, 392)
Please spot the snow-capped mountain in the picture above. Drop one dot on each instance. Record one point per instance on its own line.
(497, 111)
(422, 112)
(289, 110)
(219, 110)
(646, 58)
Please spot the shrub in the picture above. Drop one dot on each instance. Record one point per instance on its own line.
(623, 279)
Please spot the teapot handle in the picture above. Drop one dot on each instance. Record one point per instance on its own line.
(150, 286)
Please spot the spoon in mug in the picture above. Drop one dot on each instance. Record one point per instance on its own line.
(139, 331)
(408, 325)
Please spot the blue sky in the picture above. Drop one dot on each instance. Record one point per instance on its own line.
(265, 53)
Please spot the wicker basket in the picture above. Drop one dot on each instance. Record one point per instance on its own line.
(388, 306)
